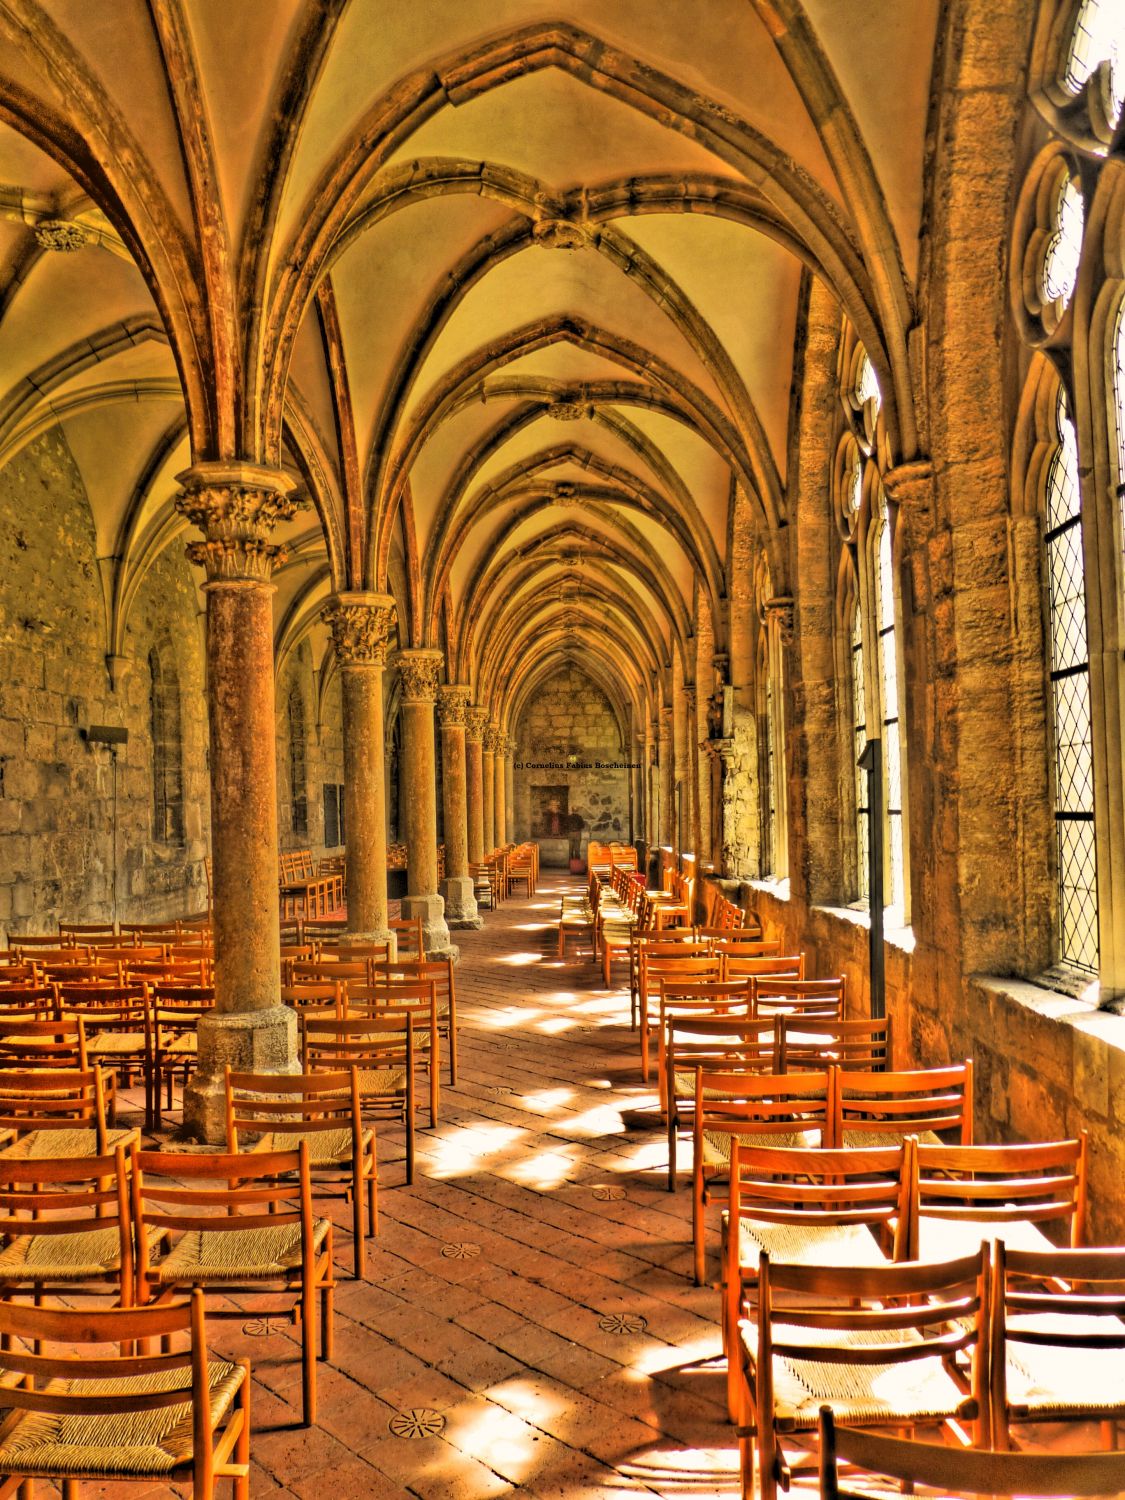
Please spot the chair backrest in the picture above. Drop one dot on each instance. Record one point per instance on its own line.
(416, 996)
(57, 1196)
(38, 1347)
(408, 931)
(179, 1192)
(657, 964)
(962, 1471)
(367, 1043)
(79, 931)
(105, 1008)
(788, 966)
(734, 942)
(63, 1098)
(30, 999)
(27, 1042)
(44, 944)
(758, 1104)
(87, 972)
(803, 997)
(808, 1188)
(14, 970)
(1031, 1183)
(728, 1044)
(1066, 1301)
(805, 1041)
(705, 997)
(320, 995)
(906, 1103)
(329, 970)
(291, 1104)
(440, 970)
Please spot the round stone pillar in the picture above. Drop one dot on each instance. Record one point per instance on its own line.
(510, 786)
(237, 506)
(499, 800)
(475, 721)
(667, 781)
(362, 626)
(457, 888)
(418, 676)
(488, 783)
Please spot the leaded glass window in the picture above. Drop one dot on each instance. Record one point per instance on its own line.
(1119, 409)
(888, 674)
(859, 721)
(298, 774)
(1070, 695)
(1064, 248)
(769, 830)
(167, 749)
(1099, 36)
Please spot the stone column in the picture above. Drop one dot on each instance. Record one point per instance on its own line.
(499, 800)
(362, 626)
(475, 721)
(488, 783)
(418, 676)
(457, 887)
(696, 812)
(667, 781)
(237, 506)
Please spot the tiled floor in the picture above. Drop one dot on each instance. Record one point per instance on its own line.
(550, 1325)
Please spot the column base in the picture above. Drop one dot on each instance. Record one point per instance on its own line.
(376, 935)
(435, 933)
(459, 896)
(254, 1041)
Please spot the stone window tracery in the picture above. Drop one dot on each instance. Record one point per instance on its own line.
(859, 738)
(167, 747)
(775, 620)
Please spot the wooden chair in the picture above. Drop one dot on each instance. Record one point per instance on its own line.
(15, 973)
(408, 931)
(53, 1112)
(963, 1471)
(789, 966)
(521, 868)
(228, 1224)
(381, 1049)
(1058, 1338)
(819, 1041)
(440, 970)
(871, 1107)
(115, 1019)
(961, 1194)
(788, 1110)
(29, 999)
(321, 1110)
(806, 1207)
(163, 1418)
(172, 1015)
(81, 932)
(680, 999)
(317, 995)
(684, 963)
(716, 1042)
(834, 1339)
(418, 999)
(65, 1222)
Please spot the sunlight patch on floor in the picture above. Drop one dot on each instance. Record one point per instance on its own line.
(544, 1171)
(518, 960)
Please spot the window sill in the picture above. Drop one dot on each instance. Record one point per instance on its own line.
(778, 889)
(894, 932)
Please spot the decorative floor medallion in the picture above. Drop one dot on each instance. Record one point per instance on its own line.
(260, 1328)
(609, 1193)
(460, 1250)
(623, 1323)
(417, 1422)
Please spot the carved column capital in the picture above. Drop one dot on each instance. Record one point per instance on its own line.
(720, 750)
(453, 705)
(236, 506)
(476, 722)
(664, 726)
(689, 697)
(494, 740)
(362, 627)
(780, 609)
(418, 671)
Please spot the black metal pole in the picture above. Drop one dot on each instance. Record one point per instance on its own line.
(871, 761)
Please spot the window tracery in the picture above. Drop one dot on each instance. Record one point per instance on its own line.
(167, 747)
(298, 766)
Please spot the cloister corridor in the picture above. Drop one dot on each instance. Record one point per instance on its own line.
(491, 1278)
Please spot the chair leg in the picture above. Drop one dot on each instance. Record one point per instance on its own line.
(308, 1353)
(359, 1255)
(241, 1487)
(671, 1116)
(697, 1227)
(435, 1074)
(410, 1144)
(373, 1195)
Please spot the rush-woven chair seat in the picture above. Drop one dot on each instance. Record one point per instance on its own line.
(806, 1244)
(205, 1257)
(45, 1445)
(716, 1143)
(918, 1390)
(89, 1255)
(382, 1080)
(326, 1148)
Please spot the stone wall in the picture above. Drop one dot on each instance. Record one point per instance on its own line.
(323, 751)
(57, 857)
(571, 715)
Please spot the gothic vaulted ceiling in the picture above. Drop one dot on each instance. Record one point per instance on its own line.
(511, 286)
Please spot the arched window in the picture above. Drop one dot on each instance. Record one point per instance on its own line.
(767, 759)
(298, 768)
(1069, 668)
(1118, 371)
(167, 748)
(868, 613)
